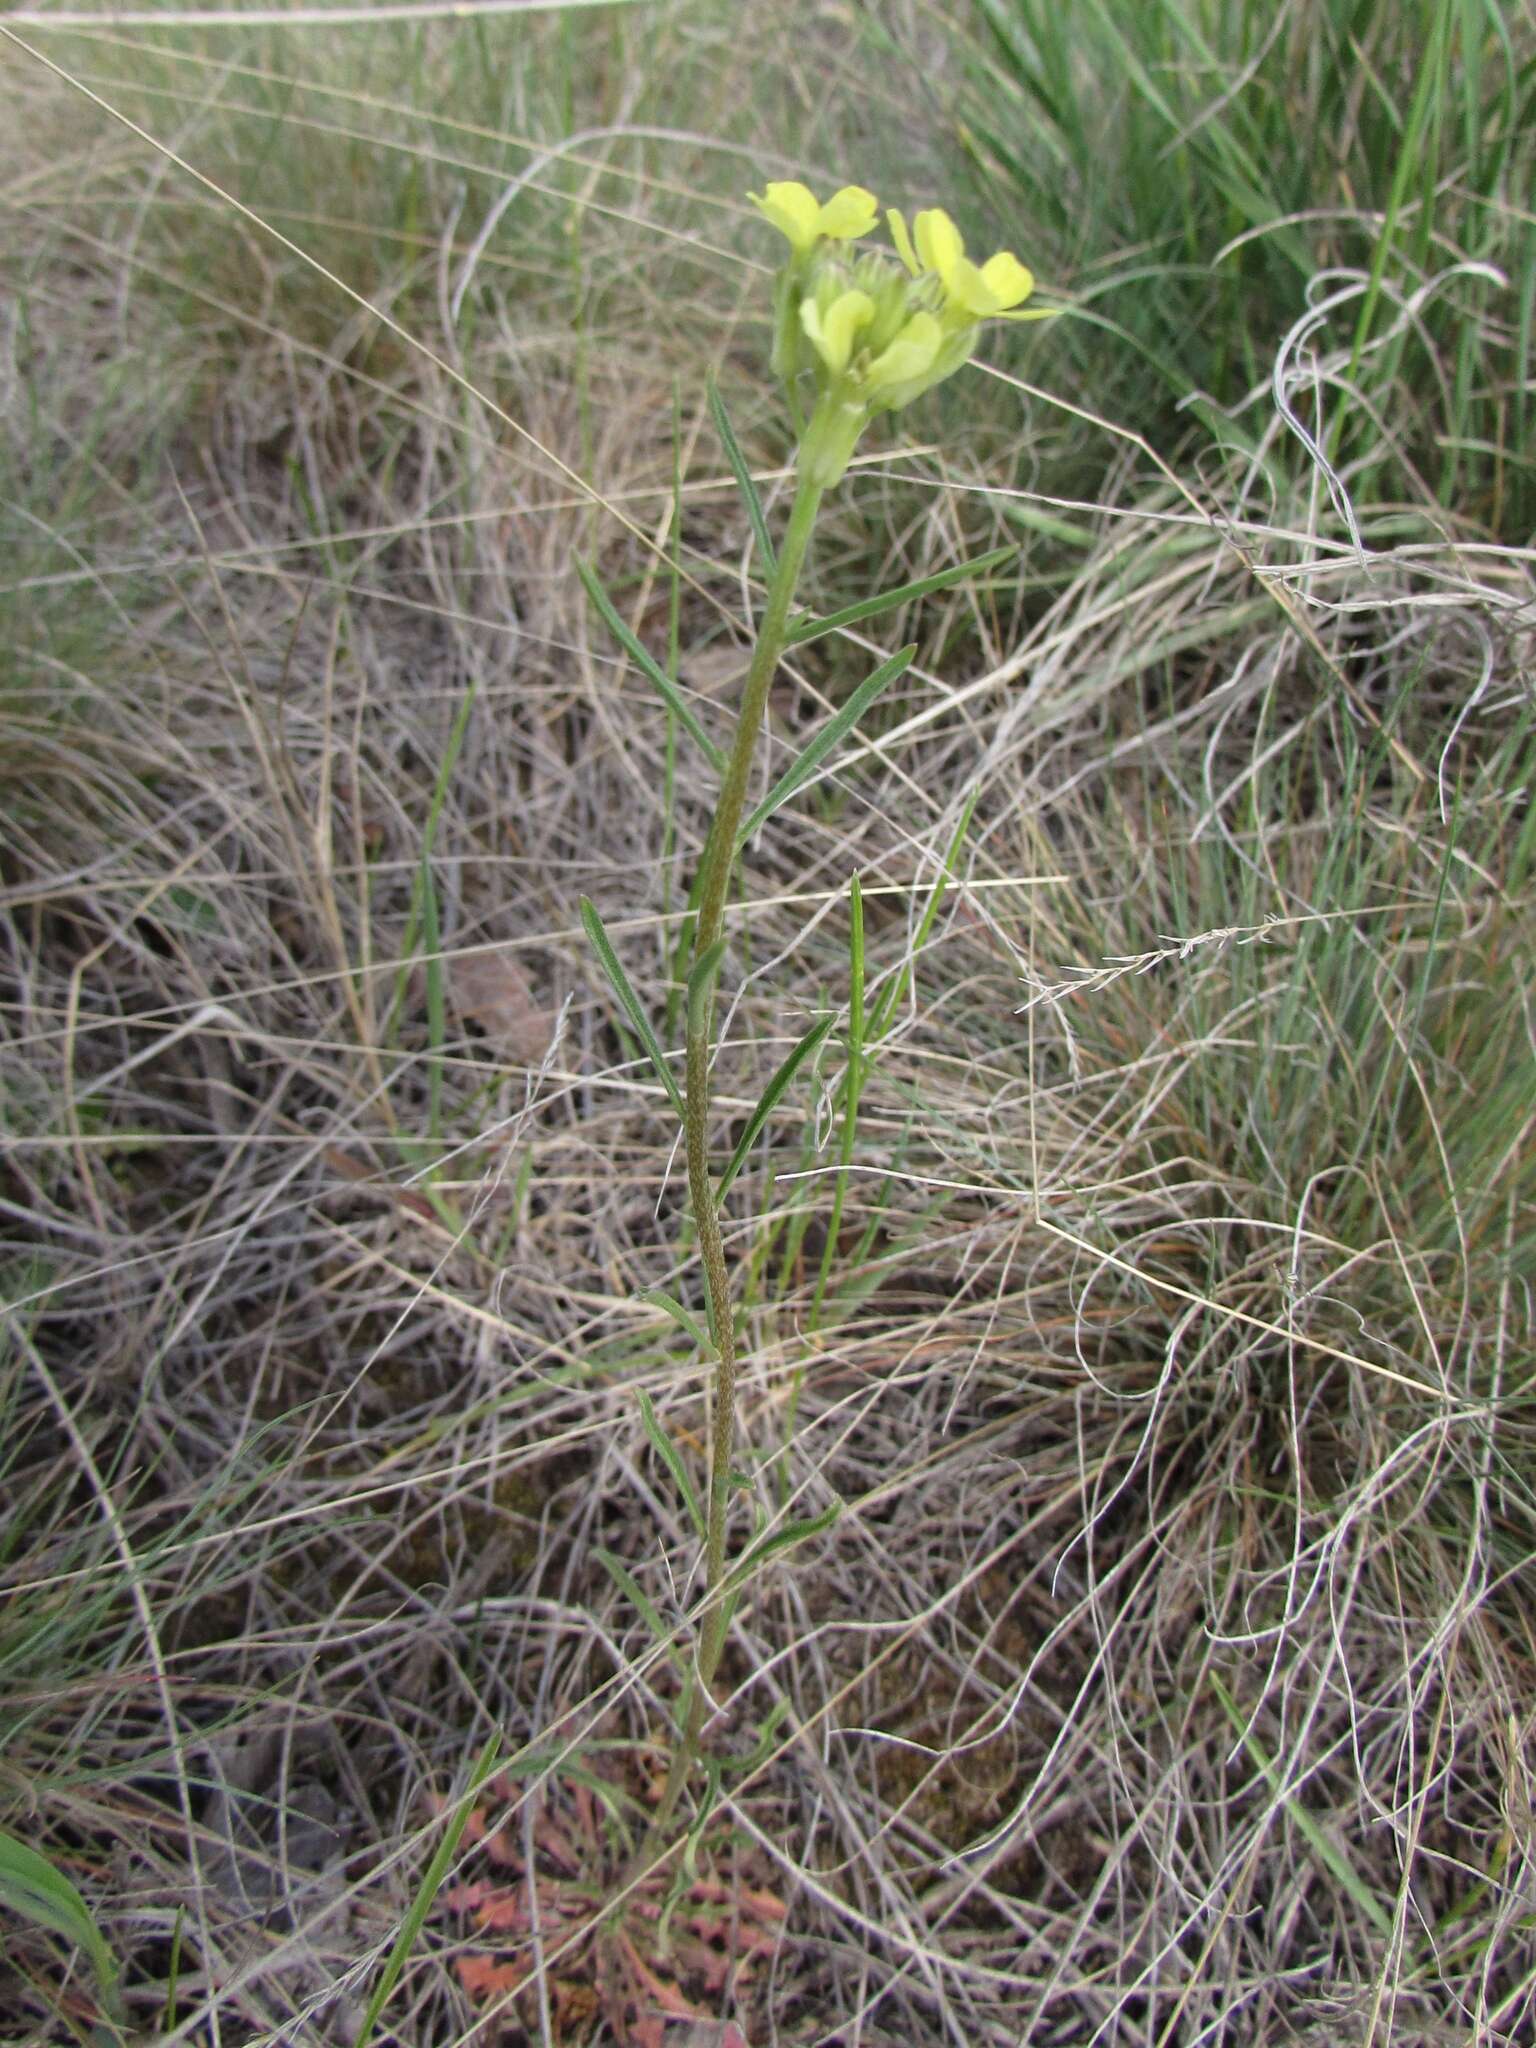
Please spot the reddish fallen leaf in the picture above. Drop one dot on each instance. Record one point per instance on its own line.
(503, 1912)
(667, 1996)
(484, 1977)
(766, 1905)
(709, 1966)
(738, 1935)
(575, 2005)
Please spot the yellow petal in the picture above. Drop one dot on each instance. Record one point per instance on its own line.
(910, 355)
(903, 241)
(965, 291)
(938, 241)
(1006, 279)
(793, 210)
(848, 213)
(832, 333)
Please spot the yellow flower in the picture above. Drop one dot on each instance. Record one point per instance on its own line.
(795, 211)
(973, 291)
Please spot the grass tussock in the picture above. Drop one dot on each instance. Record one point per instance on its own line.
(1162, 1319)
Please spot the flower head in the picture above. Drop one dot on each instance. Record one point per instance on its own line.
(794, 210)
(873, 336)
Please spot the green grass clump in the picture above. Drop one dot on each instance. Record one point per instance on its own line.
(1204, 173)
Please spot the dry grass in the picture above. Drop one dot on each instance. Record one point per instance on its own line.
(1168, 1676)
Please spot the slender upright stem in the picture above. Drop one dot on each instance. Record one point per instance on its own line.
(720, 854)
(719, 859)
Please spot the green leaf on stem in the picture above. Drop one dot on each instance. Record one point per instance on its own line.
(836, 729)
(671, 1457)
(647, 663)
(768, 1100)
(684, 1318)
(810, 628)
(758, 1554)
(742, 474)
(762, 1749)
(627, 1584)
(853, 1081)
(701, 984)
(602, 946)
(896, 988)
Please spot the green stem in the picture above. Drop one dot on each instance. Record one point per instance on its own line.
(720, 854)
(719, 859)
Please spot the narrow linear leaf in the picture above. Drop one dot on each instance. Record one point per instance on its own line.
(783, 1539)
(431, 1883)
(1034, 520)
(783, 1075)
(435, 805)
(1338, 1865)
(701, 983)
(671, 1457)
(645, 661)
(853, 1082)
(805, 629)
(762, 1749)
(688, 924)
(437, 1006)
(684, 1318)
(36, 1889)
(742, 474)
(896, 988)
(627, 1584)
(831, 735)
(602, 946)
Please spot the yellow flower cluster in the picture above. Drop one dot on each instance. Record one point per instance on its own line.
(874, 336)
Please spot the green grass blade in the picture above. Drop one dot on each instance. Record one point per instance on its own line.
(742, 474)
(804, 629)
(649, 666)
(671, 1457)
(33, 1887)
(831, 735)
(418, 910)
(427, 1891)
(1333, 1860)
(768, 1100)
(602, 946)
(437, 1005)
